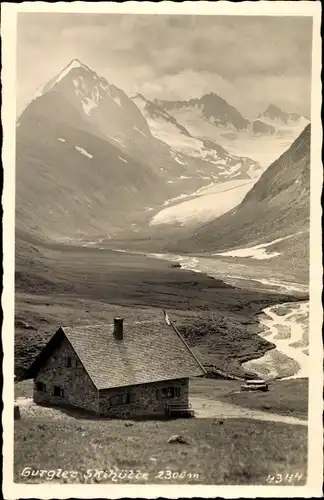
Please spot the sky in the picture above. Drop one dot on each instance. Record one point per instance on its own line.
(249, 61)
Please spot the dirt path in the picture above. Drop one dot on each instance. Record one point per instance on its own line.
(206, 408)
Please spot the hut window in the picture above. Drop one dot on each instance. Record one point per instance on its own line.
(40, 386)
(120, 399)
(169, 392)
(58, 391)
(68, 362)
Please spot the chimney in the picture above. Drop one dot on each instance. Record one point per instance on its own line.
(118, 328)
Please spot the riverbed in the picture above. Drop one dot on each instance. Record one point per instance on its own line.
(285, 325)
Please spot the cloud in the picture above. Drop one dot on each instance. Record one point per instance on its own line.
(264, 58)
(249, 94)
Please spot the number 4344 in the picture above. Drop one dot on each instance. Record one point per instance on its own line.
(284, 478)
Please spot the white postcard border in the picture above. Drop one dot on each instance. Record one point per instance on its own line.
(8, 31)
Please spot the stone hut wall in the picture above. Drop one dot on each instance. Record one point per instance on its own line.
(78, 389)
(143, 401)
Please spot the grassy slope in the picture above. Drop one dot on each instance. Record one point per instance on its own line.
(80, 285)
(285, 397)
(83, 445)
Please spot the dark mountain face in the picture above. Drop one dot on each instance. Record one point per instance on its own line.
(213, 108)
(276, 207)
(274, 113)
(218, 110)
(96, 99)
(102, 109)
(259, 127)
(71, 178)
(155, 111)
(70, 182)
(288, 177)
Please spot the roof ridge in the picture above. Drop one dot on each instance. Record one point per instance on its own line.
(83, 325)
(185, 343)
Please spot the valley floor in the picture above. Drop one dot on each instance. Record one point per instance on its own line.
(73, 285)
(62, 285)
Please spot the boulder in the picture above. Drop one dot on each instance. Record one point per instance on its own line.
(177, 439)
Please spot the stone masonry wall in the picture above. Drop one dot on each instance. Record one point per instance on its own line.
(144, 400)
(78, 388)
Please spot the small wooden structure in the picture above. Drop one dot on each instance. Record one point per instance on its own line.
(16, 412)
(255, 385)
(179, 410)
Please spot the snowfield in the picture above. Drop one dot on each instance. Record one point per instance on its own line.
(88, 104)
(140, 131)
(178, 158)
(265, 150)
(207, 204)
(258, 252)
(164, 128)
(262, 149)
(172, 135)
(117, 140)
(83, 152)
(117, 101)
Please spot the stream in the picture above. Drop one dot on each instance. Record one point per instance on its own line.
(286, 326)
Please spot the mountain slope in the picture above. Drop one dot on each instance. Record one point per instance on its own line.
(274, 215)
(262, 138)
(166, 128)
(71, 182)
(286, 125)
(76, 173)
(115, 117)
(274, 113)
(87, 161)
(212, 108)
(104, 105)
(259, 127)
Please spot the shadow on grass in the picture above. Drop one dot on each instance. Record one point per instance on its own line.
(83, 414)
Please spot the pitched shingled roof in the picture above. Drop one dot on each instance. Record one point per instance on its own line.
(150, 351)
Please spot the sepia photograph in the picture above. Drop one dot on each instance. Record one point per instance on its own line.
(164, 178)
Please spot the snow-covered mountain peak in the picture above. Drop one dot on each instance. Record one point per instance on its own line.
(275, 114)
(74, 64)
(95, 99)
